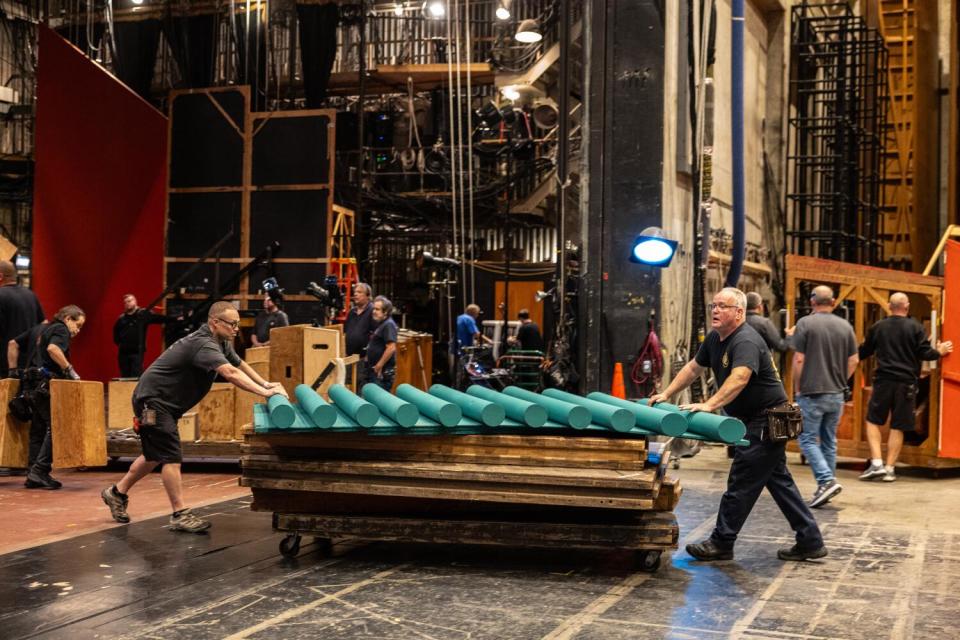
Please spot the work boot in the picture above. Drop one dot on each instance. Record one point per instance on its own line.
(44, 481)
(825, 493)
(117, 503)
(187, 521)
(873, 472)
(708, 550)
(796, 553)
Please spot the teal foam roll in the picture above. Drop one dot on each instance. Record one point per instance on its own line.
(561, 411)
(523, 411)
(660, 421)
(355, 407)
(398, 410)
(281, 411)
(616, 418)
(322, 413)
(488, 413)
(717, 428)
(446, 413)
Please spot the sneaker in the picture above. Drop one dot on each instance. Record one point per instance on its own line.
(873, 472)
(708, 550)
(797, 554)
(37, 481)
(889, 474)
(825, 493)
(117, 503)
(188, 522)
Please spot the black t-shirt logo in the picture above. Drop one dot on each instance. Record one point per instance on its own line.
(725, 361)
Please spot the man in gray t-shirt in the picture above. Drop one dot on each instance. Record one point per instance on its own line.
(174, 383)
(825, 358)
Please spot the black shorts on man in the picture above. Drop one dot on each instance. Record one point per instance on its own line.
(894, 399)
(161, 441)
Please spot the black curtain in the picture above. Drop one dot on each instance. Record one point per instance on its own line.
(318, 48)
(136, 54)
(194, 45)
(252, 67)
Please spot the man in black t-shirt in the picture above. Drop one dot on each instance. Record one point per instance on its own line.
(271, 316)
(359, 323)
(50, 360)
(749, 385)
(130, 335)
(900, 345)
(19, 310)
(528, 336)
(175, 382)
(381, 351)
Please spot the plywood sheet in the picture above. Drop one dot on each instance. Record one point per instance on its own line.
(14, 435)
(77, 423)
(119, 407)
(299, 353)
(187, 427)
(215, 413)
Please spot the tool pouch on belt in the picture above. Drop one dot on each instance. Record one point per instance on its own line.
(147, 418)
(784, 422)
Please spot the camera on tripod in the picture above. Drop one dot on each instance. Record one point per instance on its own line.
(328, 294)
(273, 290)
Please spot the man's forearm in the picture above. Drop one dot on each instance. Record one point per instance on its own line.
(56, 354)
(237, 377)
(13, 354)
(252, 374)
(387, 354)
(727, 392)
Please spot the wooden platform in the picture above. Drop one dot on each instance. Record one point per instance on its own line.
(123, 446)
(393, 78)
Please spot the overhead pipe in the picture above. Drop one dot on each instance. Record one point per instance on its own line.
(737, 253)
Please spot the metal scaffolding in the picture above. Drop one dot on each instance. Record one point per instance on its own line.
(838, 92)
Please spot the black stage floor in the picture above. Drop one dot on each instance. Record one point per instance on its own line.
(882, 580)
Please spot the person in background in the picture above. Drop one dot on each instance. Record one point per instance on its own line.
(271, 316)
(900, 345)
(467, 331)
(762, 324)
(51, 360)
(130, 335)
(26, 344)
(528, 336)
(19, 311)
(381, 350)
(825, 357)
(359, 324)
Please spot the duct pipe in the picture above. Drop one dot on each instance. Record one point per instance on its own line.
(739, 213)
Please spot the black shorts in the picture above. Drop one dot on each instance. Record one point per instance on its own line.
(160, 442)
(896, 398)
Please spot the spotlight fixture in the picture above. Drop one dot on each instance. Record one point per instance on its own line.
(653, 248)
(434, 9)
(398, 9)
(137, 2)
(528, 32)
(546, 115)
(510, 93)
(503, 10)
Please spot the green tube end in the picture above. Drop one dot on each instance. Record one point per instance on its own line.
(673, 424)
(407, 415)
(283, 416)
(623, 420)
(535, 416)
(580, 417)
(731, 431)
(324, 416)
(450, 415)
(493, 415)
(367, 415)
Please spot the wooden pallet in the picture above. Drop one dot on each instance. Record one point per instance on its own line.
(129, 447)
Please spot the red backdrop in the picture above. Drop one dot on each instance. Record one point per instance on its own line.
(99, 194)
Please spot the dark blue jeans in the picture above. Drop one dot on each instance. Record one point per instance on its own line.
(763, 464)
(384, 380)
(821, 415)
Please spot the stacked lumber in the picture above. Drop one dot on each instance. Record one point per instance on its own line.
(519, 490)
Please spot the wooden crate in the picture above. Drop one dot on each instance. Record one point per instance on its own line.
(14, 435)
(259, 360)
(414, 360)
(119, 404)
(77, 423)
(298, 354)
(215, 413)
(187, 427)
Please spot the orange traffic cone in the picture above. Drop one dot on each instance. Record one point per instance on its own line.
(618, 390)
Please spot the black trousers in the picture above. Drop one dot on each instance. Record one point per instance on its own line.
(41, 462)
(131, 364)
(763, 464)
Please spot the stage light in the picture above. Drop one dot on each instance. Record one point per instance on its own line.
(528, 32)
(398, 9)
(545, 114)
(510, 93)
(137, 2)
(653, 248)
(503, 10)
(22, 262)
(434, 8)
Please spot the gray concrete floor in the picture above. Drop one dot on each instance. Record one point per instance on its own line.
(893, 572)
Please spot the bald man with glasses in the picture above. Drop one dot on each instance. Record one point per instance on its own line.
(174, 383)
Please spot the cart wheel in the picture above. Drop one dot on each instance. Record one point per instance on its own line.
(324, 547)
(675, 463)
(649, 560)
(290, 545)
(803, 459)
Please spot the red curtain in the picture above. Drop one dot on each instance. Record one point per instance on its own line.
(99, 197)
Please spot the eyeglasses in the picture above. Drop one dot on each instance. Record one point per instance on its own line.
(233, 324)
(722, 307)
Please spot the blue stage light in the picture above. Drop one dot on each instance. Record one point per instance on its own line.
(652, 248)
